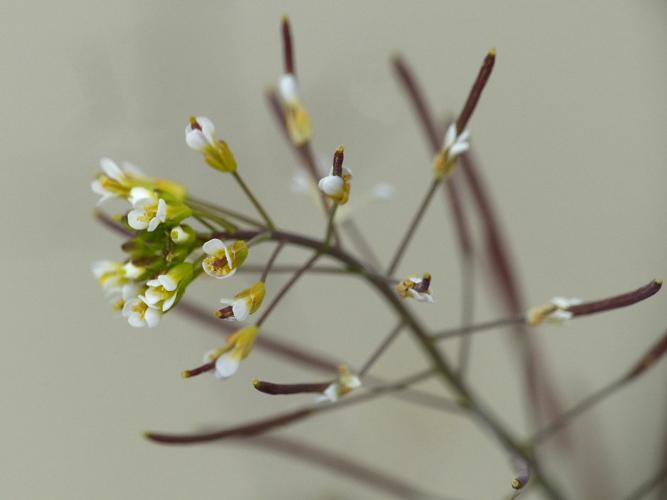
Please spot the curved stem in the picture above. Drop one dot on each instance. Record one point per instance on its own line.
(445, 371)
(253, 200)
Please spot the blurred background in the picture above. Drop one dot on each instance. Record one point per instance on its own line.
(570, 135)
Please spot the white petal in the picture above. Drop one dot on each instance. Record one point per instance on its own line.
(178, 235)
(151, 297)
(288, 88)
(103, 266)
(131, 271)
(134, 219)
(167, 304)
(450, 136)
(153, 283)
(241, 310)
(169, 283)
(196, 140)
(153, 224)
(352, 382)
(135, 321)
(458, 148)
(138, 195)
(161, 213)
(152, 317)
(212, 247)
(227, 302)
(331, 185)
(112, 170)
(226, 366)
(331, 392)
(465, 135)
(207, 128)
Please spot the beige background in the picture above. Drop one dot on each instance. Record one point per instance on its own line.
(571, 134)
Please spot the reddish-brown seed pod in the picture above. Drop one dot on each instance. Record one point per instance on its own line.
(617, 301)
(286, 389)
(288, 49)
(476, 90)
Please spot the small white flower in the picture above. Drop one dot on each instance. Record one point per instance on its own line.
(346, 383)
(336, 187)
(139, 314)
(223, 260)
(416, 288)
(424, 296)
(228, 358)
(179, 235)
(288, 89)
(114, 182)
(149, 210)
(555, 311)
(243, 304)
(163, 291)
(113, 275)
(200, 134)
(455, 144)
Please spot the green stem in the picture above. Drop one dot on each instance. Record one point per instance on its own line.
(254, 200)
(205, 206)
(471, 402)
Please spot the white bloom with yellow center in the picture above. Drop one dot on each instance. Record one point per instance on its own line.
(113, 275)
(297, 119)
(200, 134)
(163, 291)
(179, 235)
(228, 358)
(115, 182)
(149, 210)
(346, 383)
(243, 304)
(416, 288)
(455, 144)
(223, 260)
(555, 311)
(139, 314)
(337, 187)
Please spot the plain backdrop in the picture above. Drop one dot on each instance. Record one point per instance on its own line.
(570, 135)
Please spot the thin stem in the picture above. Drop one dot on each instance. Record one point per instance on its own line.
(300, 356)
(253, 200)
(391, 336)
(290, 268)
(271, 260)
(269, 423)
(479, 327)
(206, 205)
(447, 374)
(221, 221)
(567, 417)
(281, 293)
(205, 223)
(330, 225)
(412, 227)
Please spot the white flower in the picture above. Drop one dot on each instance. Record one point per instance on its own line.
(555, 311)
(288, 89)
(337, 188)
(179, 235)
(243, 304)
(163, 291)
(113, 275)
(222, 260)
(140, 314)
(345, 384)
(455, 144)
(424, 296)
(115, 182)
(416, 288)
(200, 134)
(149, 210)
(228, 358)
